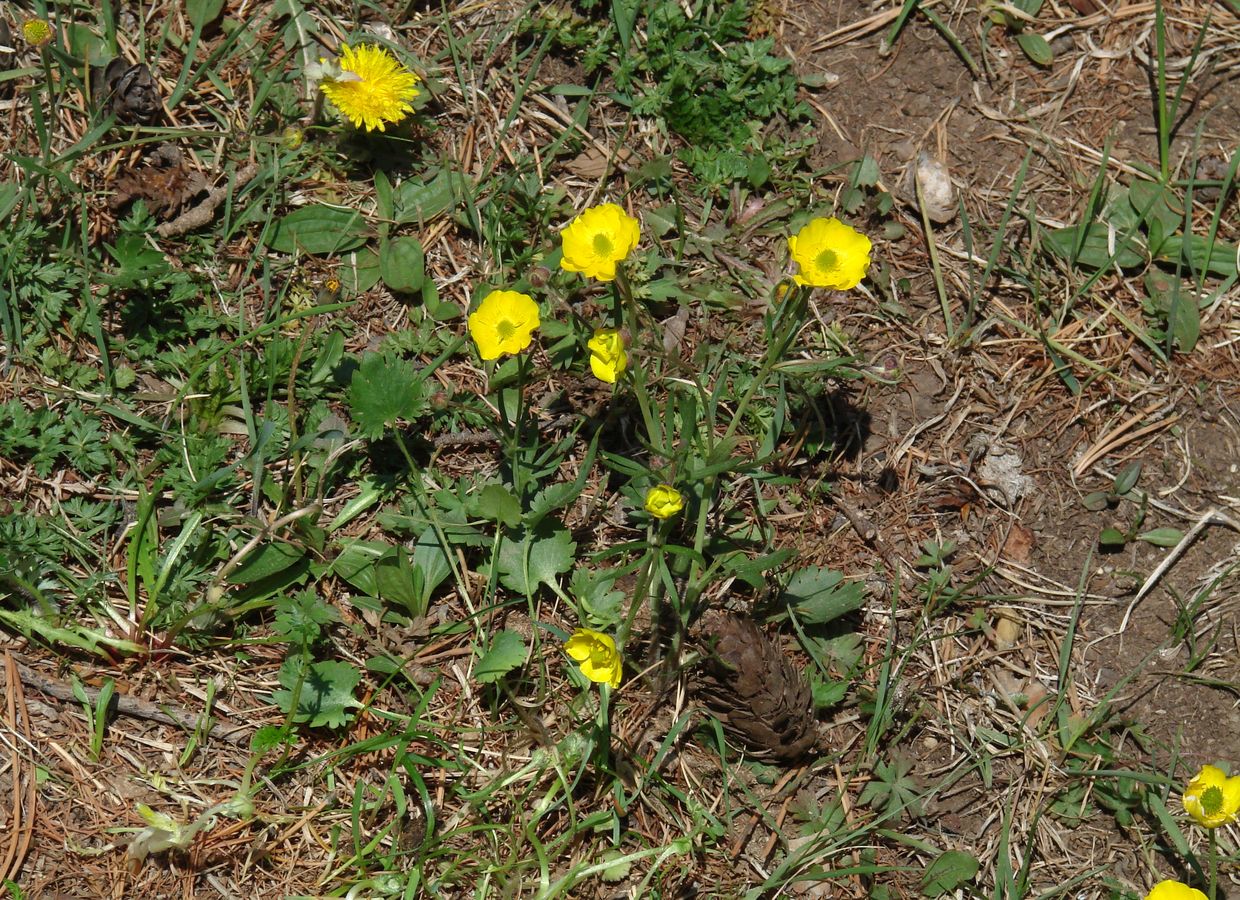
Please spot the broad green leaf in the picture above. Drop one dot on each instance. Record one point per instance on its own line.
(1218, 258)
(1126, 480)
(1157, 203)
(326, 694)
(203, 12)
(417, 202)
(1036, 48)
(356, 564)
(1096, 251)
(820, 595)
(359, 272)
(402, 265)
(399, 582)
(430, 559)
(507, 652)
(1096, 501)
(266, 561)
(317, 228)
(1112, 537)
(950, 871)
(1162, 537)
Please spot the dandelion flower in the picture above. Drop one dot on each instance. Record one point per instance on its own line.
(663, 501)
(503, 323)
(370, 87)
(830, 254)
(598, 239)
(37, 32)
(1212, 798)
(597, 656)
(608, 358)
(1174, 890)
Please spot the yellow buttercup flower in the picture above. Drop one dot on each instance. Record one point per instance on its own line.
(1212, 798)
(371, 88)
(663, 501)
(597, 655)
(830, 254)
(504, 322)
(37, 32)
(598, 239)
(1174, 890)
(608, 358)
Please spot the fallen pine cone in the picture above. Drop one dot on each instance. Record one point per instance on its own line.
(758, 696)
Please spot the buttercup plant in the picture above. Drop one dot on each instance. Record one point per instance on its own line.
(504, 322)
(830, 254)
(1174, 890)
(597, 240)
(596, 655)
(663, 501)
(1211, 798)
(608, 357)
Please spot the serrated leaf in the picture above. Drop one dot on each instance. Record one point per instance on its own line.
(528, 559)
(951, 870)
(819, 595)
(266, 561)
(1162, 537)
(507, 652)
(326, 692)
(317, 228)
(268, 737)
(601, 604)
(402, 265)
(497, 504)
(383, 391)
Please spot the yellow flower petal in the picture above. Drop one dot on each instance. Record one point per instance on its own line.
(1211, 798)
(1174, 890)
(373, 88)
(608, 358)
(663, 501)
(597, 656)
(830, 254)
(598, 239)
(504, 322)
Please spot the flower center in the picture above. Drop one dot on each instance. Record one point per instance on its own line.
(1211, 801)
(602, 245)
(505, 329)
(827, 259)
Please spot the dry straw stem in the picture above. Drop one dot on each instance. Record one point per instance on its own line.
(21, 775)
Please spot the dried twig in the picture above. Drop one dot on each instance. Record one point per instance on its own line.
(204, 211)
(164, 713)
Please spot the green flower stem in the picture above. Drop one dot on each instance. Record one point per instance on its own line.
(1213, 892)
(786, 325)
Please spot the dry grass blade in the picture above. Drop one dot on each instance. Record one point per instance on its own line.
(21, 778)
